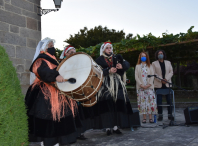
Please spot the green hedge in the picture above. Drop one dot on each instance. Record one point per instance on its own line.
(131, 76)
(13, 119)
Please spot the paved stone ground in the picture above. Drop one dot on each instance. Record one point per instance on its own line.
(148, 134)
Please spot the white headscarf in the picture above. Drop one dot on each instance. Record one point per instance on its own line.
(66, 49)
(42, 46)
(103, 47)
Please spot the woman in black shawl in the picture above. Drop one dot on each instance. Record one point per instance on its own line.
(52, 117)
(113, 109)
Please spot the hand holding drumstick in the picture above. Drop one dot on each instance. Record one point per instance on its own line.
(59, 78)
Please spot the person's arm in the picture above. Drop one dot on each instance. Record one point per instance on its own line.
(46, 74)
(125, 65)
(170, 72)
(106, 71)
(136, 76)
(151, 79)
(155, 72)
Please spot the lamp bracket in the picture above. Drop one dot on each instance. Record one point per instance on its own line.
(45, 11)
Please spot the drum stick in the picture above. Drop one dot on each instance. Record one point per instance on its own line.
(70, 80)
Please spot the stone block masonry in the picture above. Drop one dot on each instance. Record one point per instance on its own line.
(20, 31)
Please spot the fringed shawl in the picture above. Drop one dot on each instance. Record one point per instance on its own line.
(59, 103)
(115, 81)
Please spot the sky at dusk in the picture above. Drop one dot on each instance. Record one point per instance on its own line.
(133, 16)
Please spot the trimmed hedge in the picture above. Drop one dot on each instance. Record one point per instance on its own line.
(13, 118)
(131, 76)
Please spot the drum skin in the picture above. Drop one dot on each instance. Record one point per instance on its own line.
(88, 75)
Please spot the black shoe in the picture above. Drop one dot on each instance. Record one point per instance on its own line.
(117, 131)
(81, 137)
(144, 121)
(109, 132)
(170, 117)
(160, 118)
(151, 121)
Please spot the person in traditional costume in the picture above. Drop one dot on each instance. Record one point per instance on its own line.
(113, 109)
(86, 113)
(53, 118)
(68, 50)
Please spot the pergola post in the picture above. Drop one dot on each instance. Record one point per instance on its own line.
(178, 74)
(194, 83)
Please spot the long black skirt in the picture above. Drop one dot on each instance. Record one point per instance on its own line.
(87, 117)
(41, 125)
(109, 113)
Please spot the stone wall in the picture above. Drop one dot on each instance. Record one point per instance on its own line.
(20, 32)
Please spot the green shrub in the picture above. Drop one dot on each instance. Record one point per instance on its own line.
(131, 76)
(13, 119)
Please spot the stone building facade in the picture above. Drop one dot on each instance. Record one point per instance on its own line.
(20, 32)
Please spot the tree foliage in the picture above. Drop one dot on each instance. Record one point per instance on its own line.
(58, 53)
(13, 119)
(140, 43)
(90, 37)
(130, 48)
(137, 44)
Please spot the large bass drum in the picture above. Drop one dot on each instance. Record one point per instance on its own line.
(88, 75)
